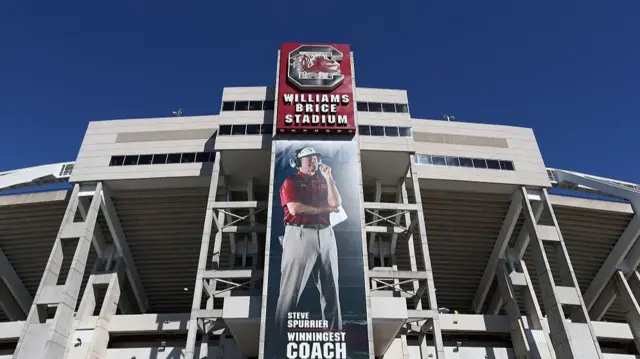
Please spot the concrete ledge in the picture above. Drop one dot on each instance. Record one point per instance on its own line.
(30, 198)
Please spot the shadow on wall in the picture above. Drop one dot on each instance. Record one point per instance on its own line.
(209, 146)
(175, 352)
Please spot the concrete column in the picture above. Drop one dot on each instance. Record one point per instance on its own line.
(40, 339)
(431, 289)
(571, 340)
(202, 259)
(518, 336)
(628, 292)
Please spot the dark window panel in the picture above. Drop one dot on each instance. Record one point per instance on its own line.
(159, 159)
(479, 163)
(391, 131)
(267, 106)
(377, 262)
(202, 157)
(242, 105)
(145, 159)
(493, 164)
(452, 161)
(253, 129)
(402, 108)
(237, 262)
(438, 160)
(174, 157)
(405, 131)
(466, 162)
(224, 130)
(375, 107)
(364, 130)
(227, 106)
(362, 106)
(506, 165)
(212, 156)
(255, 105)
(117, 161)
(248, 262)
(388, 107)
(377, 131)
(131, 160)
(424, 159)
(266, 129)
(239, 129)
(188, 157)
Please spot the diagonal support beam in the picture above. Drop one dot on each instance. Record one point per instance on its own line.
(16, 288)
(120, 241)
(628, 292)
(508, 225)
(613, 262)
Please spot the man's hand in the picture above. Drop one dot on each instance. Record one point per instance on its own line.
(329, 209)
(325, 171)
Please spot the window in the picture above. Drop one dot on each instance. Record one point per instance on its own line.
(242, 105)
(224, 130)
(202, 157)
(174, 157)
(130, 160)
(388, 107)
(452, 161)
(423, 159)
(116, 161)
(402, 108)
(228, 106)
(507, 165)
(255, 105)
(377, 131)
(188, 158)
(382, 107)
(239, 129)
(493, 164)
(266, 129)
(391, 131)
(159, 159)
(162, 158)
(237, 262)
(375, 107)
(248, 262)
(364, 130)
(268, 106)
(145, 159)
(466, 162)
(438, 160)
(253, 129)
(405, 131)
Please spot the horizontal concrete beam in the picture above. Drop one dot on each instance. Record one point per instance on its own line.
(232, 274)
(391, 206)
(390, 274)
(238, 204)
(384, 229)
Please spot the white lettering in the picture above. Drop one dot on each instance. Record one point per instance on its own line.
(324, 108)
(288, 98)
(316, 350)
(345, 99)
(308, 108)
(335, 98)
(325, 99)
(342, 119)
(334, 108)
(288, 119)
(299, 108)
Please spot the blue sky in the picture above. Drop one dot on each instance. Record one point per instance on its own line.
(568, 69)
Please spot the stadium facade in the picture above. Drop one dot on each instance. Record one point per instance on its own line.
(316, 219)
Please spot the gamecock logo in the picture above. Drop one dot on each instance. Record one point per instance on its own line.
(315, 67)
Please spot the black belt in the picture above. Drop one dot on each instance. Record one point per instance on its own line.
(308, 226)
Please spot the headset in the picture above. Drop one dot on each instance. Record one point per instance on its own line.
(296, 162)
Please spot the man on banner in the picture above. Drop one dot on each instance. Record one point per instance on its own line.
(309, 248)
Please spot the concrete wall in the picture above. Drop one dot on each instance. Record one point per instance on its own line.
(473, 140)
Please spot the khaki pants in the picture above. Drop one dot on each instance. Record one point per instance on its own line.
(308, 252)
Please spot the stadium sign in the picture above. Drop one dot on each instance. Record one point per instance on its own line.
(315, 90)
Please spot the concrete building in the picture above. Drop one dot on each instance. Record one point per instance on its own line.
(474, 257)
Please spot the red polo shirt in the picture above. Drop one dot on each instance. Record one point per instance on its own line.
(308, 190)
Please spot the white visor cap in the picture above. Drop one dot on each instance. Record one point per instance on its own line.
(308, 151)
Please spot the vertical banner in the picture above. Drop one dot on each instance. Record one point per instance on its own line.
(316, 299)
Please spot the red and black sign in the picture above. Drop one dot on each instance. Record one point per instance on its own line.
(315, 89)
